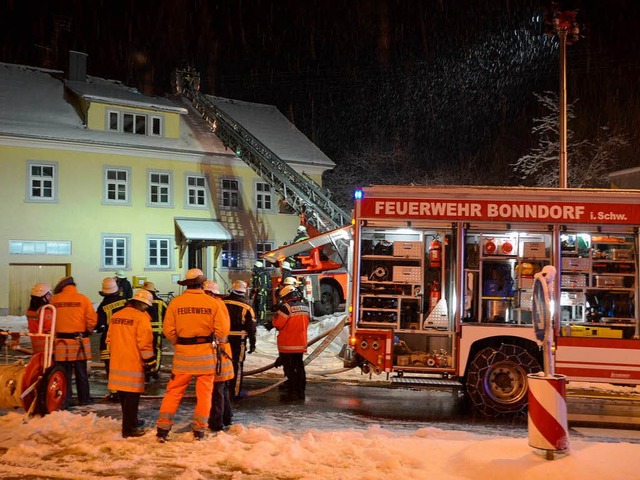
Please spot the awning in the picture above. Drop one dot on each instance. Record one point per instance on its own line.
(203, 232)
(335, 237)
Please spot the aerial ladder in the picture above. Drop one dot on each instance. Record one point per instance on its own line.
(305, 196)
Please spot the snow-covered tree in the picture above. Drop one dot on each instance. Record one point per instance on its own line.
(589, 161)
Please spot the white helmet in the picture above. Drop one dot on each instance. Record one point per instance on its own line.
(302, 228)
(211, 286)
(258, 264)
(109, 286)
(286, 265)
(121, 274)
(40, 289)
(143, 296)
(290, 281)
(286, 290)
(239, 286)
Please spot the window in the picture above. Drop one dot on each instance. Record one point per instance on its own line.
(39, 247)
(159, 252)
(159, 189)
(264, 197)
(196, 191)
(231, 252)
(43, 182)
(156, 126)
(136, 123)
(116, 185)
(115, 251)
(230, 193)
(263, 247)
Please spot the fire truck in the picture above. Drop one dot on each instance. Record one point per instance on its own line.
(321, 265)
(443, 283)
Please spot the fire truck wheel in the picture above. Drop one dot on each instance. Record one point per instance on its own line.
(52, 394)
(497, 379)
(329, 301)
(31, 373)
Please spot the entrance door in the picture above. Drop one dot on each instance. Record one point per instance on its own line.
(22, 276)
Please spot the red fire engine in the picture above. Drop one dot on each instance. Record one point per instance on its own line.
(443, 282)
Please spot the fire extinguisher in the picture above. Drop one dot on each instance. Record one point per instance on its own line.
(434, 294)
(435, 253)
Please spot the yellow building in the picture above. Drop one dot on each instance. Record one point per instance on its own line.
(96, 177)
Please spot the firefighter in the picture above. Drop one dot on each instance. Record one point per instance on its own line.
(156, 312)
(190, 326)
(285, 270)
(243, 327)
(301, 234)
(221, 411)
(126, 290)
(287, 281)
(130, 339)
(75, 320)
(111, 303)
(292, 320)
(260, 288)
(40, 296)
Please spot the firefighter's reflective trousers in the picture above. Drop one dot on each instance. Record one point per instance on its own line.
(174, 393)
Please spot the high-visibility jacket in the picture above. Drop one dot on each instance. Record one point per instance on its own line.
(156, 312)
(130, 341)
(292, 320)
(108, 307)
(75, 320)
(243, 320)
(224, 368)
(192, 315)
(33, 322)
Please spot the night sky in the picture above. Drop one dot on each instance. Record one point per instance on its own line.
(446, 80)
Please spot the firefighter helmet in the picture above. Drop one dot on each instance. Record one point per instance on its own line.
(290, 281)
(149, 287)
(287, 290)
(63, 282)
(286, 265)
(194, 276)
(121, 274)
(40, 289)
(302, 228)
(258, 264)
(109, 286)
(211, 286)
(239, 286)
(143, 296)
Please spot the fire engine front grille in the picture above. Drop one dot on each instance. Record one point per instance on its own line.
(426, 382)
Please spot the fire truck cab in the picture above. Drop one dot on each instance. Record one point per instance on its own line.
(443, 282)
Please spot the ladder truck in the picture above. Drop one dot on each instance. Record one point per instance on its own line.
(305, 196)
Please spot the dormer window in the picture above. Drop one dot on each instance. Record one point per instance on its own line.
(133, 122)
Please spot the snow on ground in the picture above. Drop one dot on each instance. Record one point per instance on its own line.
(85, 446)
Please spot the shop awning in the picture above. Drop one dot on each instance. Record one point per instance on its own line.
(203, 232)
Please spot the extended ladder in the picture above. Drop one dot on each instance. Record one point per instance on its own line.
(304, 195)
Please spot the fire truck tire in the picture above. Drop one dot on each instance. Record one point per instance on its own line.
(52, 394)
(497, 380)
(329, 301)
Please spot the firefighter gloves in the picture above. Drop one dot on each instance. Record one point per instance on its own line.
(150, 365)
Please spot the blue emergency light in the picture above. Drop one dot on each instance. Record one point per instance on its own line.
(358, 194)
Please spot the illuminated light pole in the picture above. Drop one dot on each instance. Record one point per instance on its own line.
(563, 24)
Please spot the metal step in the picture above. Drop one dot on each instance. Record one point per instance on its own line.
(426, 382)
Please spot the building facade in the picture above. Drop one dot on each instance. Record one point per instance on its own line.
(98, 178)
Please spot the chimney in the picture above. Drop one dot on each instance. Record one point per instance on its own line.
(77, 66)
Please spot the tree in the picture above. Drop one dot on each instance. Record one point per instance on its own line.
(589, 161)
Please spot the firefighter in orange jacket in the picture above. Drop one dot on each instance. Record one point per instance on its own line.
(221, 412)
(75, 320)
(130, 341)
(292, 320)
(191, 324)
(40, 296)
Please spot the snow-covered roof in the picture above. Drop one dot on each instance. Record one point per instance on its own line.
(114, 92)
(273, 130)
(33, 106)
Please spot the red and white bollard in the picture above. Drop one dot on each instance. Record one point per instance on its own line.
(547, 417)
